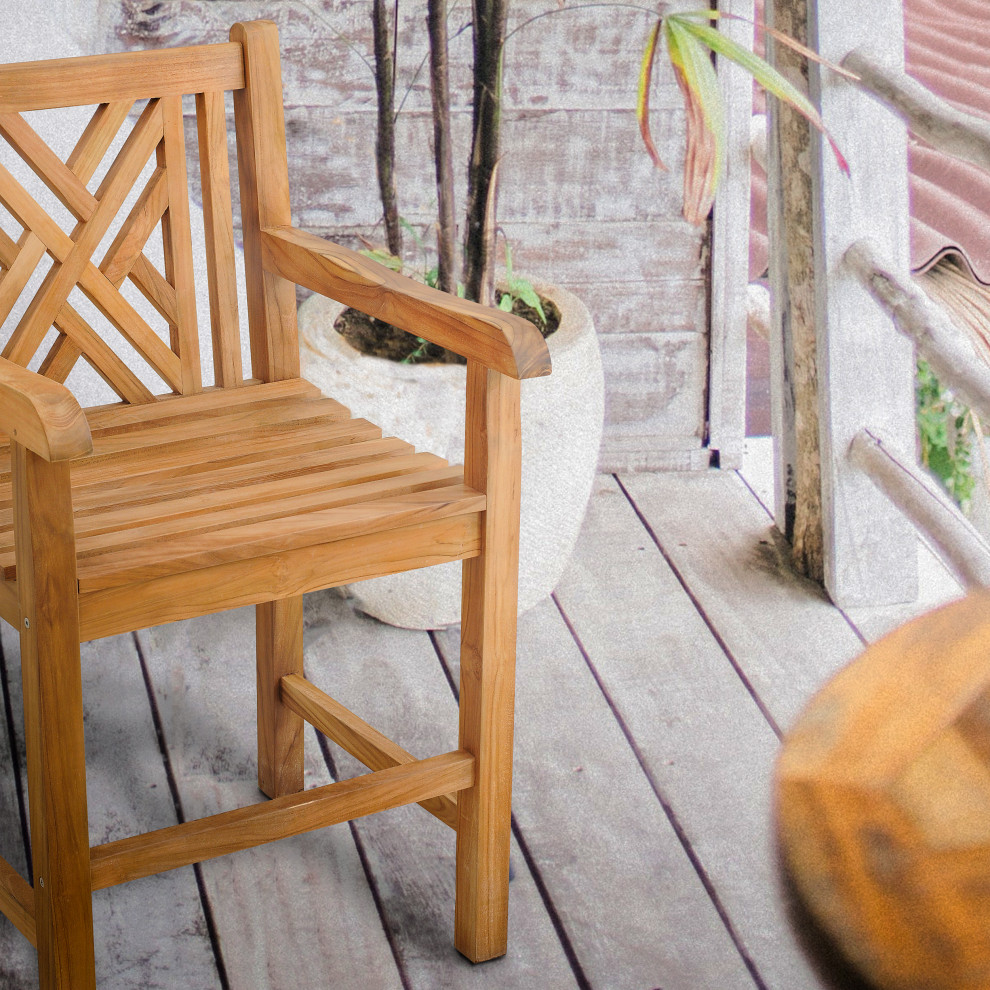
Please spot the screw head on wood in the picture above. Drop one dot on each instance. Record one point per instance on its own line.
(27, 623)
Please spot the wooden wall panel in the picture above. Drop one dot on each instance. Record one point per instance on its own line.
(579, 200)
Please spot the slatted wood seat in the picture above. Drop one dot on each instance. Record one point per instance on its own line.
(187, 497)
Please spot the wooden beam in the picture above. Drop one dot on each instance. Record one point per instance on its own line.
(958, 542)
(364, 742)
(17, 901)
(864, 372)
(192, 842)
(945, 128)
(730, 253)
(945, 346)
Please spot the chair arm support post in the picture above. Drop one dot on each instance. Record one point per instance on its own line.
(501, 341)
(41, 414)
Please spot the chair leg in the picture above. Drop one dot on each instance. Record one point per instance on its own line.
(53, 722)
(487, 681)
(279, 627)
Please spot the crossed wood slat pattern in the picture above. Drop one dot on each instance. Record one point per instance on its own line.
(163, 203)
(205, 480)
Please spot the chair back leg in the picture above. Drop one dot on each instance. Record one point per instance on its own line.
(279, 627)
(53, 721)
(488, 655)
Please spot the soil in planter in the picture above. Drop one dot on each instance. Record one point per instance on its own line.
(371, 336)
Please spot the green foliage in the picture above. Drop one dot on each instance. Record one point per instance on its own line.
(945, 433)
(518, 288)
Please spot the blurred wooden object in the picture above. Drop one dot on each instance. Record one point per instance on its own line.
(883, 803)
(250, 491)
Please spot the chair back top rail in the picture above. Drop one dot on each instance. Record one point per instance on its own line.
(94, 79)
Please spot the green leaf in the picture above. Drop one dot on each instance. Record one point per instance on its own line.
(643, 94)
(505, 303)
(384, 257)
(764, 73)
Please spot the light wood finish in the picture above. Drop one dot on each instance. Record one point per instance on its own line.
(883, 802)
(278, 575)
(279, 645)
(53, 722)
(72, 82)
(230, 831)
(488, 654)
(178, 245)
(42, 415)
(264, 180)
(17, 901)
(498, 340)
(218, 222)
(246, 492)
(365, 743)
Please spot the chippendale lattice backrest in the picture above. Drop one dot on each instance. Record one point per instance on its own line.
(116, 84)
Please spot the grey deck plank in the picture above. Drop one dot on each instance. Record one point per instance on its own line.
(393, 679)
(296, 914)
(149, 934)
(701, 735)
(781, 629)
(634, 908)
(936, 584)
(18, 961)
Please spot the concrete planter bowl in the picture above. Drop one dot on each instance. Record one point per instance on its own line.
(561, 431)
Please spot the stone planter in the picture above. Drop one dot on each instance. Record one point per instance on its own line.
(561, 431)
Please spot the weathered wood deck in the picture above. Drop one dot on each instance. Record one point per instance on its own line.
(652, 690)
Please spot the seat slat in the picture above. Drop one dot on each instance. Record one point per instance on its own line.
(109, 493)
(145, 562)
(278, 575)
(206, 403)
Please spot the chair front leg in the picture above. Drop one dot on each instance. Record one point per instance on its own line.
(279, 627)
(488, 656)
(53, 720)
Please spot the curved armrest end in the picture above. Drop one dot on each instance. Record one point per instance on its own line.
(501, 341)
(41, 414)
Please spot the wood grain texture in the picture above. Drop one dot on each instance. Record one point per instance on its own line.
(129, 76)
(178, 244)
(279, 649)
(41, 414)
(411, 857)
(501, 341)
(278, 575)
(365, 743)
(488, 653)
(866, 369)
(231, 831)
(275, 908)
(218, 225)
(264, 188)
(17, 901)
(53, 720)
(882, 797)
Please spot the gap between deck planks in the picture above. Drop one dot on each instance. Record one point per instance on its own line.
(150, 934)
(702, 737)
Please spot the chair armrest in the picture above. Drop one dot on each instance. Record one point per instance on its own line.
(500, 341)
(41, 414)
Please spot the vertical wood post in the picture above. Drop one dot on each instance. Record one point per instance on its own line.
(262, 167)
(279, 645)
(730, 254)
(836, 355)
(488, 657)
(53, 721)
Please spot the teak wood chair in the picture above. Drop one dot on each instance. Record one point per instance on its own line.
(253, 490)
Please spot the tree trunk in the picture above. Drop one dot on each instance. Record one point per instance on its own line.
(385, 139)
(436, 20)
(479, 242)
